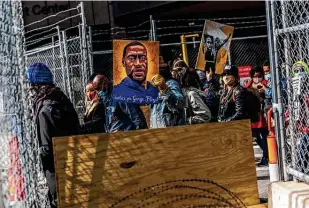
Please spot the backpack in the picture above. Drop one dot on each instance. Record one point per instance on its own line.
(252, 104)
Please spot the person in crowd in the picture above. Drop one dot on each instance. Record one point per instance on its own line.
(202, 77)
(94, 118)
(54, 116)
(119, 116)
(232, 98)
(169, 112)
(267, 87)
(213, 88)
(257, 86)
(195, 106)
(178, 69)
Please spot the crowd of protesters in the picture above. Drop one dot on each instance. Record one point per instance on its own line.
(187, 96)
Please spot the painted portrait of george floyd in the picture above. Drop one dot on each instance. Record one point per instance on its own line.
(134, 64)
(214, 47)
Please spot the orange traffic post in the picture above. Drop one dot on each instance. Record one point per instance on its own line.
(272, 150)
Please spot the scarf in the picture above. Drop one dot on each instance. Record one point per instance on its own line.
(40, 93)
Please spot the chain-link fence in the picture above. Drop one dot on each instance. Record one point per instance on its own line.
(289, 37)
(22, 182)
(12, 176)
(52, 56)
(66, 55)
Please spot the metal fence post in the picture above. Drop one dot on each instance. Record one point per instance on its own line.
(84, 43)
(82, 65)
(153, 25)
(54, 64)
(229, 56)
(62, 60)
(150, 31)
(90, 49)
(67, 59)
(277, 105)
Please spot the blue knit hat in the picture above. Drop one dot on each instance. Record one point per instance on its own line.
(39, 73)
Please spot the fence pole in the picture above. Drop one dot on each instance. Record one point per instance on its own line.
(54, 64)
(291, 117)
(82, 72)
(90, 49)
(61, 60)
(151, 28)
(65, 47)
(84, 43)
(229, 56)
(277, 105)
(153, 25)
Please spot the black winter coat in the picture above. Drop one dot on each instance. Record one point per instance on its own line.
(232, 105)
(55, 117)
(94, 121)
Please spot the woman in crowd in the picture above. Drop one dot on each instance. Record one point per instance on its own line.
(94, 118)
(232, 99)
(196, 109)
(258, 86)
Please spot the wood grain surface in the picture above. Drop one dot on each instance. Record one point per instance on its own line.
(99, 170)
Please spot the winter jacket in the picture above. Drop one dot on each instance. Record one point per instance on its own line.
(55, 117)
(196, 109)
(261, 119)
(213, 91)
(230, 108)
(94, 120)
(122, 116)
(169, 112)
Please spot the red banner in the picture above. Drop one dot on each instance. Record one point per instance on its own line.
(244, 74)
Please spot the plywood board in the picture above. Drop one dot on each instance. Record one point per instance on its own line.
(169, 167)
(258, 206)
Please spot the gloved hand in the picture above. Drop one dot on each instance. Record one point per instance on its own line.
(159, 82)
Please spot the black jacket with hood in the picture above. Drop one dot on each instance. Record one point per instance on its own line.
(55, 116)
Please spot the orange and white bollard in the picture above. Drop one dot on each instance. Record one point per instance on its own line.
(272, 150)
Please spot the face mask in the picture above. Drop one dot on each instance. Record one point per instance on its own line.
(268, 79)
(257, 80)
(102, 93)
